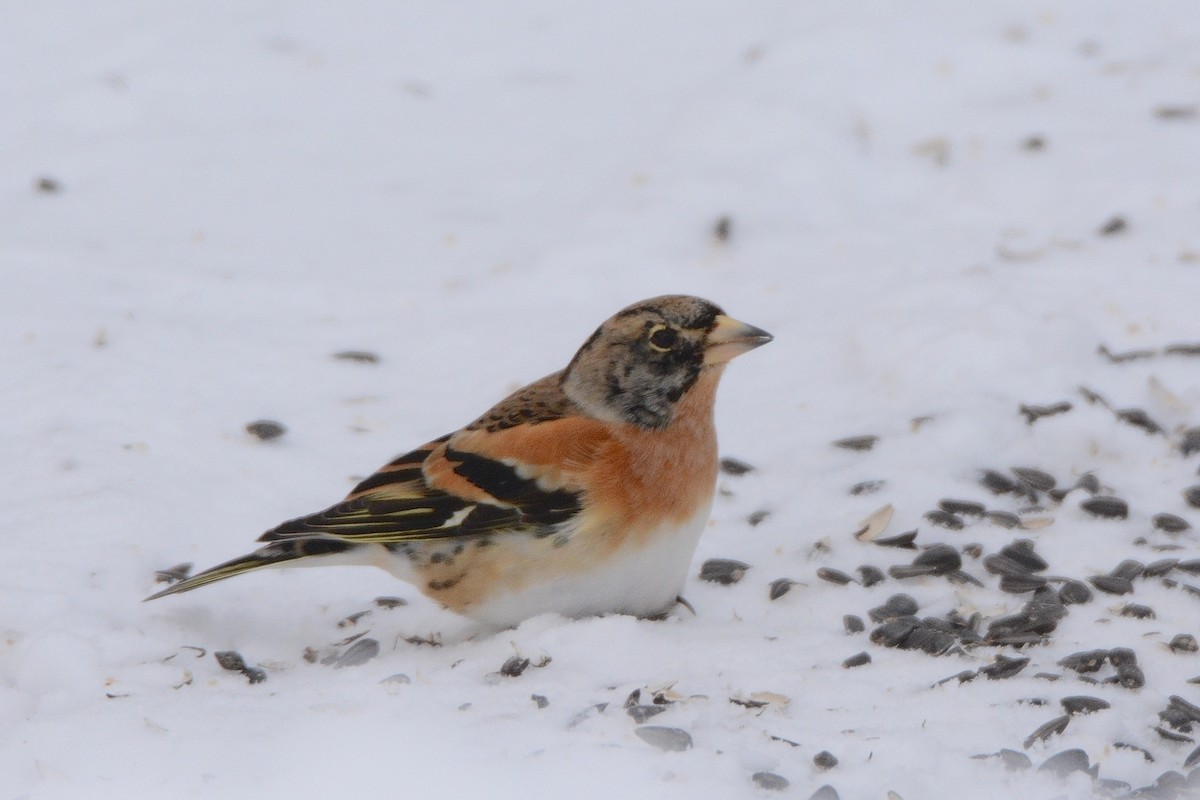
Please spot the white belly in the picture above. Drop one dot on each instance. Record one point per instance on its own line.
(642, 581)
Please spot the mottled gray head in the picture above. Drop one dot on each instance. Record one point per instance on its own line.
(639, 363)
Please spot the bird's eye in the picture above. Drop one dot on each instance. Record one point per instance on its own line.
(663, 338)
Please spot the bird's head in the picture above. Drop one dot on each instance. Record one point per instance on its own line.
(638, 365)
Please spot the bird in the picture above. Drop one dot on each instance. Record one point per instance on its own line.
(582, 494)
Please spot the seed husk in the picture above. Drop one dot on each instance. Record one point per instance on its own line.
(1184, 643)
(1156, 569)
(867, 487)
(1035, 479)
(997, 482)
(941, 557)
(966, 507)
(1074, 592)
(1033, 413)
(1003, 667)
(770, 781)
(905, 541)
(898, 605)
(853, 624)
(1170, 523)
(725, 571)
(734, 466)
(1137, 611)
(944, 519)
(1192, 496)
(1106, 507)
(857, 660)
(1110, 584)
(1045, 731)
(1128, 569)
(857, 443)
(835, 576)
(870, 575)
(668, 739)
(1004, 519)
(1139, 419)
(1084, 661)
(779, 587)
(265, 429)
(1083, 704)
(1066, 762)
(1019, 584)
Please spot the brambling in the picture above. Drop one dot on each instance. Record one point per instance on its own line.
(583, 493)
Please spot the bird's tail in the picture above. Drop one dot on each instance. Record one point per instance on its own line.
(274, 554)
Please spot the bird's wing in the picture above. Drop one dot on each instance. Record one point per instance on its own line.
(438, 491)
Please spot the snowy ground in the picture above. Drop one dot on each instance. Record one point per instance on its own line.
(237, 190)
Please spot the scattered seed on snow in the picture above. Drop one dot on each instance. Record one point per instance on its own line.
(265, 429)
(1191, 566)
(858, 443)
(1003, 667)
(1190, 443)
(942, 558)
(770, 781)
(1127, 746)
(360, 356)
(1106, 507)
(174, 574)
(898, 605)
(825, 760)
(514, 666)
(668, 739)
(641, 713)
(875, 524)
(757, 517)
(997, 482)
(1139, 419)
(1019, 584)
(1129, 569)
(967, 507)
(725, 571)
(834, 576)
(1068, 761)
(390, 602)
(1012, 760)
(1137, 611)
(539, 700)
(825, 792)
(1082, 704)
(1045, 731)
(944, 519)
(779, 587)
(1156, 569)
(1111, 584)
(869, 575)
(1170, 523)
(904, 571)
(854, 624)
(1005, 519)
(357, 654)
(734, 466)
(1035, 479)
(1074, 592)
(1184, 643)
(867, 487)
(903, 541)
(857, 660)
(1192, 496)
(1033, 413)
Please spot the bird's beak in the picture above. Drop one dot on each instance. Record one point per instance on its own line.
(730, 338)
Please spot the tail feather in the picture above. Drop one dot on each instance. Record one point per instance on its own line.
(274, 554)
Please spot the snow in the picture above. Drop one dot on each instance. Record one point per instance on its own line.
(245, 188)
